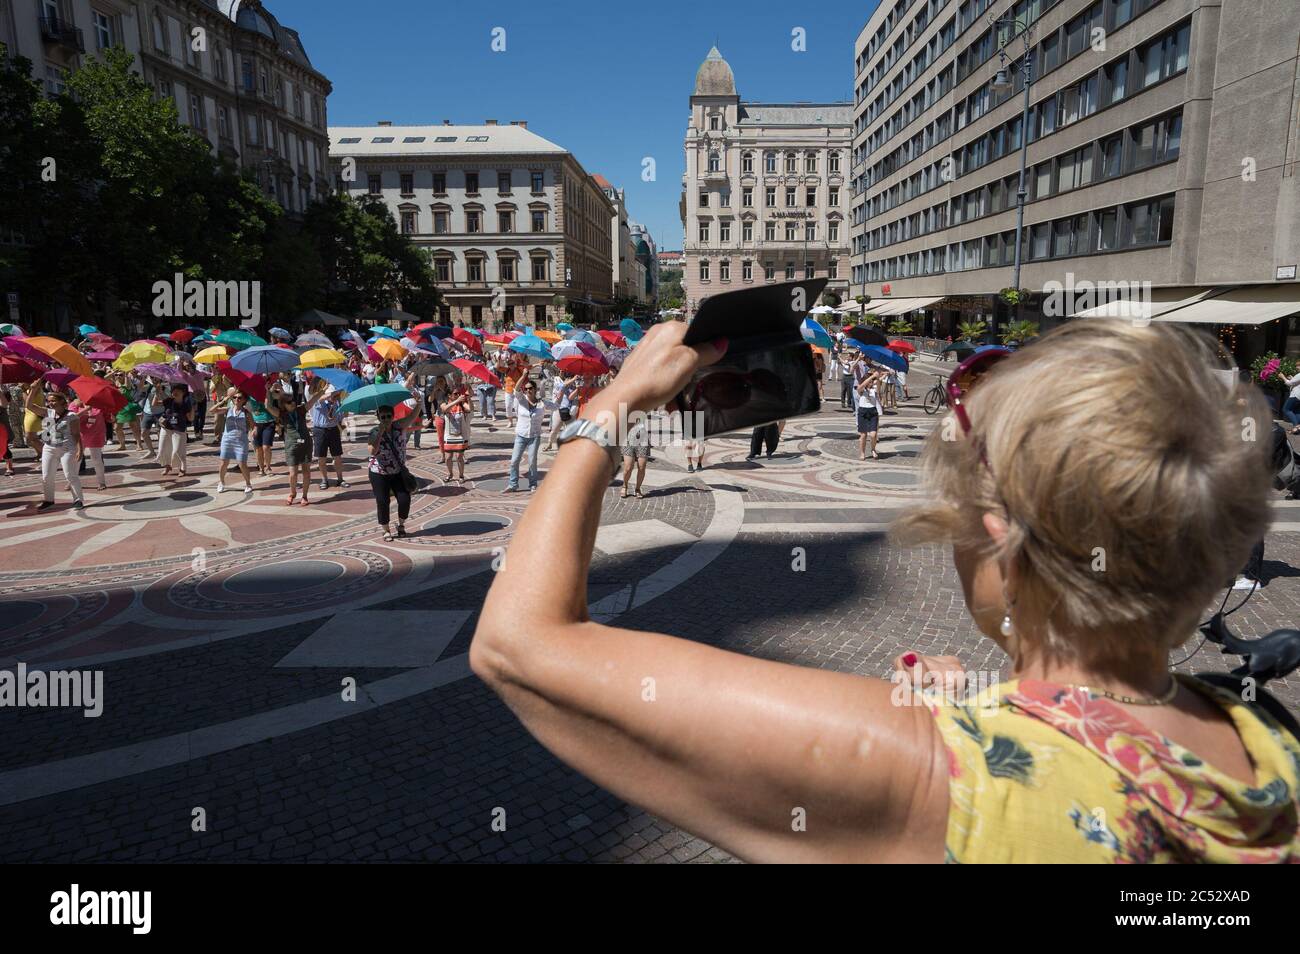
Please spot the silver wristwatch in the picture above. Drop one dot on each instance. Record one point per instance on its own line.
(583, 427)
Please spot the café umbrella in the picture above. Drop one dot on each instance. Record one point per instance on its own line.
(374, 396)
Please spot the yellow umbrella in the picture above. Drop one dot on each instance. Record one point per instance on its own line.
(390, 349)
(212, 355)
(327, 357)
(141, 352)
(63, 353)
(550, 337)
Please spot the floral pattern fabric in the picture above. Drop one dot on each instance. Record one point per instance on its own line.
(1040, 772)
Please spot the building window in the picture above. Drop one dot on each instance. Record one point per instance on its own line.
(724, 198)
(747, 197)
(198, 118)
(539, 220)
(246, 73)
(442, 270)
(769, 272)
(704, 199)
(159, 33)
(769, 198)
(1107, 234)
(471, 183)
(538, 182)
(747, 163)
(474, 269)
(724, 231)
(505, 222)
(704, 233)
(834, 199)
(810, 232)
(790, 231)
(789, 197)
(503, 182)
(409, 222)
(833, 163)
(1164, 57)
(769, 231)
(810, 162)
(769, 162)
(713, 122)
(103, 24)
(715, 162)
(724, 271)
(1112, 151)
(810, 197)
(747, 231)
(473, 222)
(408, 183)
(833, 271)
(506, 269)
(747, 271)
(539, 270)
(223, 122)
(789, 271)
(833, 230)
(791, 161)
(441, 223)
(440, 183)
(704, 271)
(1149, 223)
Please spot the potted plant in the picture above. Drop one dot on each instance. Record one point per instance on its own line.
(1018, 332)
(1014, 296)
(972, 330)
(1271, 372)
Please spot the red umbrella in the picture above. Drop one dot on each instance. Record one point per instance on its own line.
(613, 339)
(902, 347)
(16, 370)
(425, 326)
(477, 368)
(96, 392)
(468, 339)
(184, 336)
(583, 365)
(281, 344)
(348, 344)
(498, 339)
(251, 384)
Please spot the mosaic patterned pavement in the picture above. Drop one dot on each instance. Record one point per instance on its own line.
(225, 628)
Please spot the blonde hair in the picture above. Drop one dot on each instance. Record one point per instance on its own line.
(1133, 482)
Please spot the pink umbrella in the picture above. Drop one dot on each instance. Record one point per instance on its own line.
(163, 372)
(20, 347)
(101, 355)
(60, 377)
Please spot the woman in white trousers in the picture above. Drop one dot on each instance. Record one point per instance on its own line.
(60, 434)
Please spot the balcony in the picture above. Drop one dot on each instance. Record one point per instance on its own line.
(62, 33)
(716, 175)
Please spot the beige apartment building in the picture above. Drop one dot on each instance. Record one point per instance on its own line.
(516, 229)
(1162, 151)
(239, 78)
(765, 195)
(629, 277)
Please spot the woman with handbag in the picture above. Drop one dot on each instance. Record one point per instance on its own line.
(455, 432)
(388, 473)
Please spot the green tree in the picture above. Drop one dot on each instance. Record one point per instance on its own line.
(972, 329)
(1018, 332)
(900, 326)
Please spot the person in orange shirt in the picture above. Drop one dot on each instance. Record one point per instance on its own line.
(516, 369)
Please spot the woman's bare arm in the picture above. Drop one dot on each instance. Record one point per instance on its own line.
(770, 761)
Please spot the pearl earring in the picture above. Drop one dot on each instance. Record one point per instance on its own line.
(1006, 627)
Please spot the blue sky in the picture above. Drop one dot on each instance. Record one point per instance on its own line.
(609, 81)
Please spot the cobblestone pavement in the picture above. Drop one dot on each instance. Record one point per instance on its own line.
(225, 630)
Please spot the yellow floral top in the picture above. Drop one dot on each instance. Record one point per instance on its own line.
(1040, 772)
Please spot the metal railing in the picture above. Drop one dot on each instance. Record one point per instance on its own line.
(58, 30)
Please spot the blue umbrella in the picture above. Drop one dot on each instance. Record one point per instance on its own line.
(385, 331)
(631, 329)
(532, 346)
(440, 331)
(84, 330)
(280, 333)
(895, 362)
(264, 360)
(565, 326)
(815, 334)
(587, 336)
(374, 396)
(340, 379)
(982, 348)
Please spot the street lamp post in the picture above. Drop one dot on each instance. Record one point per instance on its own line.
(1001, 83)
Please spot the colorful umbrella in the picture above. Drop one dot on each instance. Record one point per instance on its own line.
(7, 329)
(383, 331)
(312, 339)
(87, 330)
(162, 372)
(902, 347)
(532, 346)
(617, 356)
(631, 329)
(432, 369)
(564, 326)
(550, 337)
(264, 359)
(583, 365)
(62, 352)
(254, 385)
(441, 331)
(478, 369)
(321, 358)
(98, 393)
(374, 396)
(468, 339)
(212, 355)
(815, 334)
(240, 339)
(60, 377)
(101, 355)
(184, 336)
(576, 349)
(389, 349)
(581, 335)
(279, 333)
(340, 379)
(613, 339)
(139, 352)
(16, 370)
(895, 362)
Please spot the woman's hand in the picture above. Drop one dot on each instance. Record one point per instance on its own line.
(659, 368)
(943, 673)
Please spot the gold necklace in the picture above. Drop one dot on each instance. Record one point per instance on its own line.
(1164, 698)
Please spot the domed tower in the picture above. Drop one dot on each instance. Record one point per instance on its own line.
(715, 102)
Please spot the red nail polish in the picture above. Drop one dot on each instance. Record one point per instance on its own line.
(720, 344)
(909, 659)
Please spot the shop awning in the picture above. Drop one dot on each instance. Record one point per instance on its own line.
(897, 306)
(1136, 305)
(1243, 305)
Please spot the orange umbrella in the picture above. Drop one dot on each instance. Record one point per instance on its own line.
(550, 337)
(390, 349)
(63, 353)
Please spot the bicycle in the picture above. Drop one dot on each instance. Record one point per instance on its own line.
(936, 398)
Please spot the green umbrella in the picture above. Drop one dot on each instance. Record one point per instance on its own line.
(374, 396)
(240, 339)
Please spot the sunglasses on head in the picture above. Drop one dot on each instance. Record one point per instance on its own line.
(964, 378)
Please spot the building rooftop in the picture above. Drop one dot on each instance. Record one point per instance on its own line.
(795, 114)
(714, 77)
(438, 140)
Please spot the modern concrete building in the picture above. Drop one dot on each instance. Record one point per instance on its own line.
(1162, 151)
(517, 230)
(239, 78)
(765, 193)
